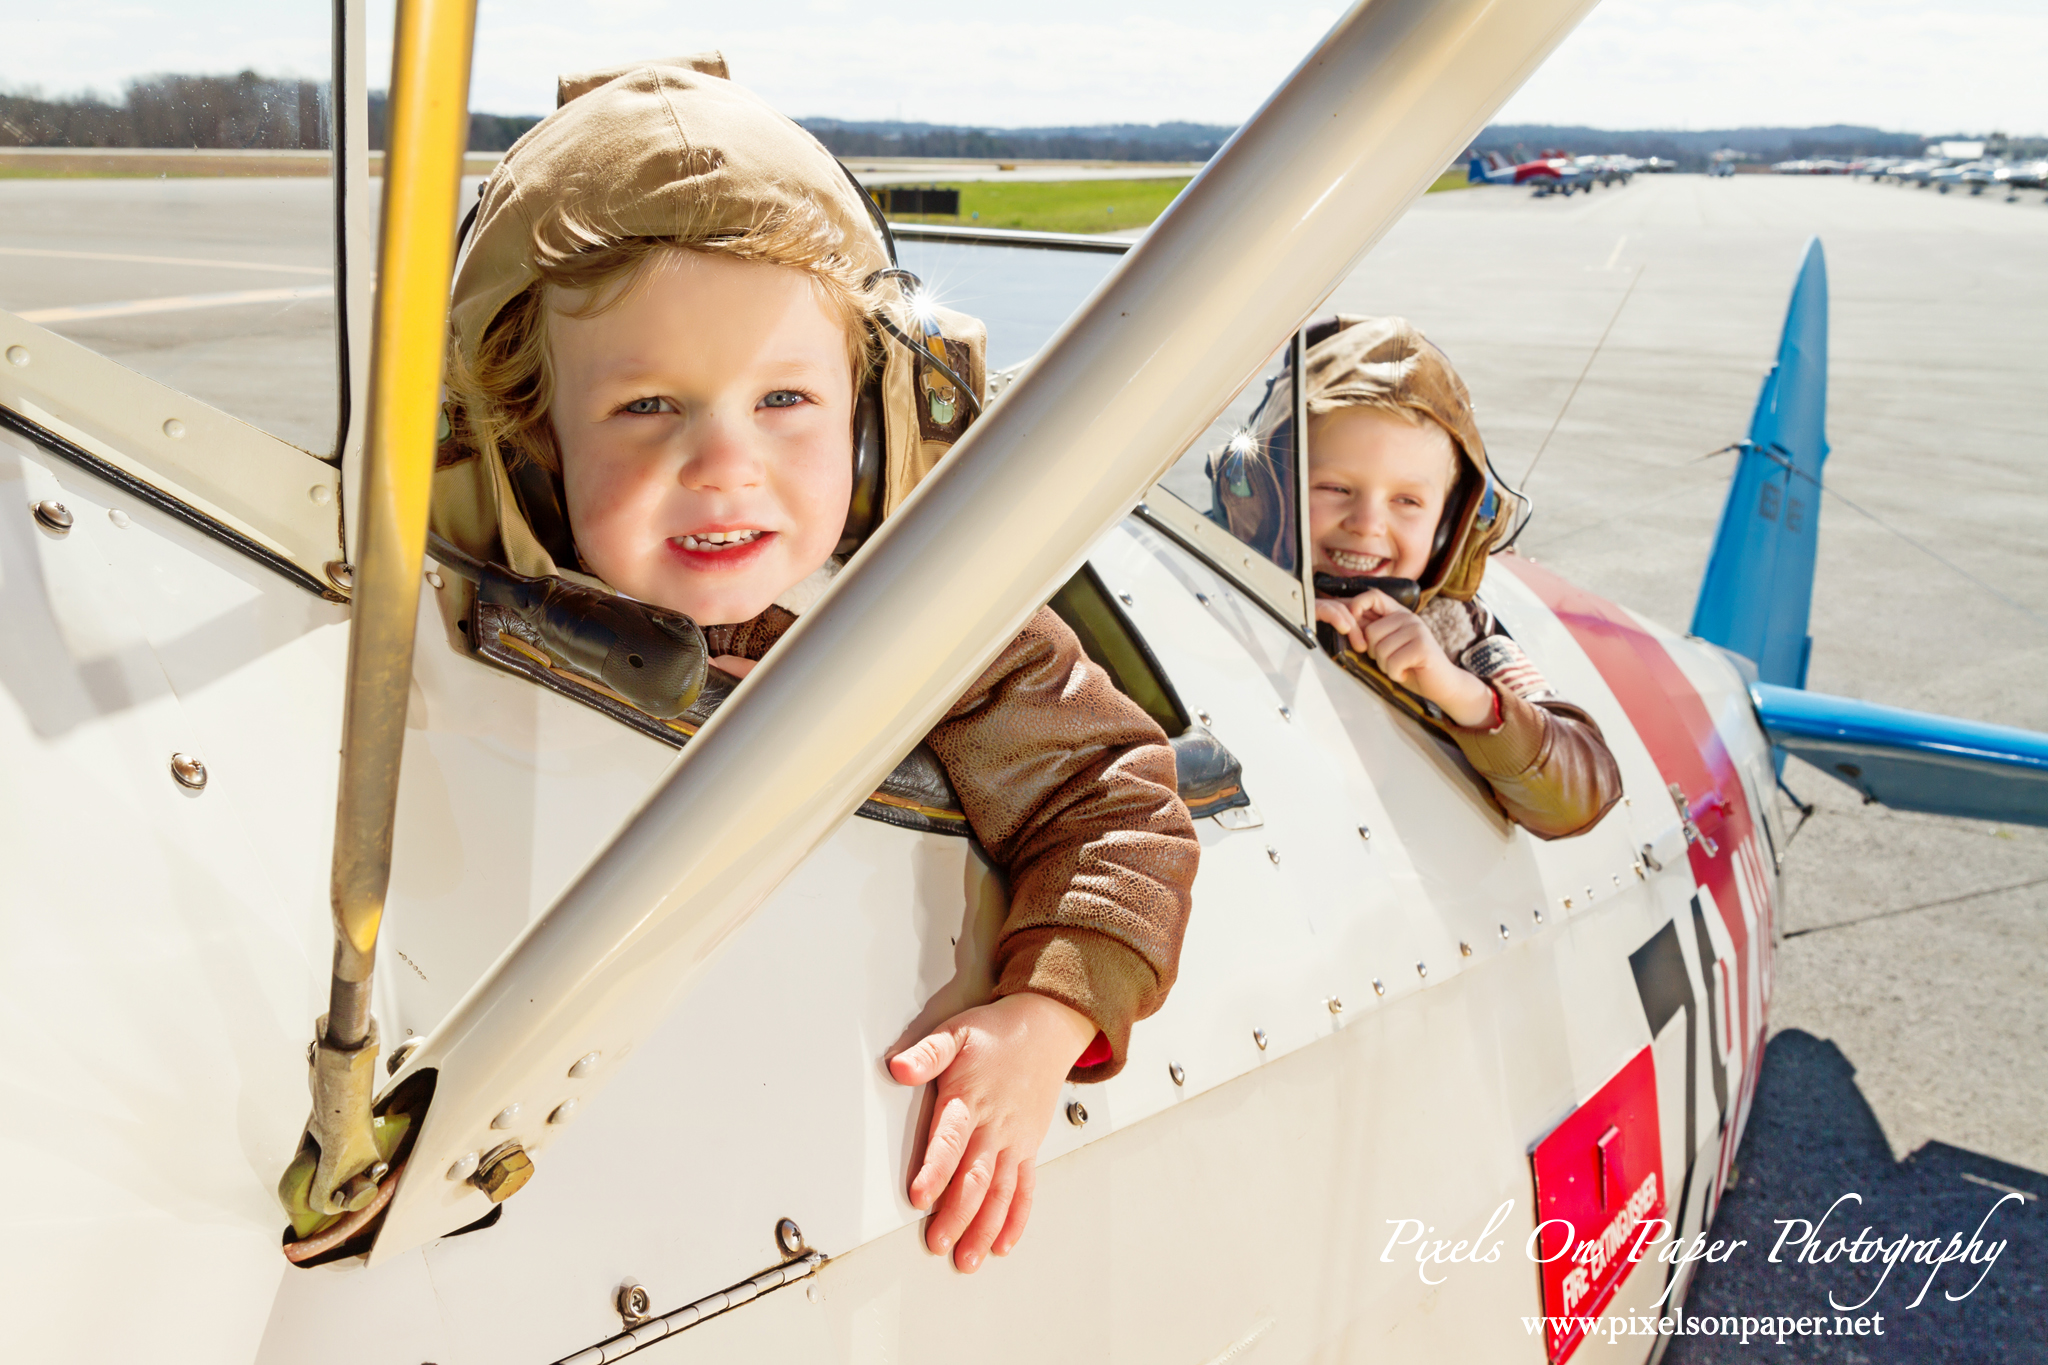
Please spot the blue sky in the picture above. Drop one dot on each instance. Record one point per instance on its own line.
(1958, 66)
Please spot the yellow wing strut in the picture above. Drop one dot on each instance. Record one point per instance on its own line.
(427, 133)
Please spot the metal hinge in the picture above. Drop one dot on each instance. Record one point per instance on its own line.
(668, 1324)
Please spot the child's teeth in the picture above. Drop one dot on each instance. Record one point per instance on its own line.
(713, 539)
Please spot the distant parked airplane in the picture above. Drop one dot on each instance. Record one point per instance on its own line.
(1554, 172)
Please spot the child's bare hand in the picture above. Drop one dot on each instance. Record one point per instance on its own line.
(999, 1068)
(1406, 650)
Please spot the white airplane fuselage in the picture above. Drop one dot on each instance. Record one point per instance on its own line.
(1389, 996)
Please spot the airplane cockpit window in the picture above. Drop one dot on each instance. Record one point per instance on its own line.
(1022, 294)
(170, 205)
(1233, 496)
(1240, 472)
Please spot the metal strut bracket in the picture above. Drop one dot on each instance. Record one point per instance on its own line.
(344, 1081)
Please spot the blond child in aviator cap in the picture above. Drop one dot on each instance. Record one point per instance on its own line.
(669, 325)
(1399, 489)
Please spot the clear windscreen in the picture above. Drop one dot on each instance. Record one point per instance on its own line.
(1023, 294)
(167, 199)
(1239, 472)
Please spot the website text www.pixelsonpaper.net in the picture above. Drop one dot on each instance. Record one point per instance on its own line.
(1771, 1329)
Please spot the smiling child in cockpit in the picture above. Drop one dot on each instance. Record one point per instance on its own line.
(1399, 489)
(668, 323)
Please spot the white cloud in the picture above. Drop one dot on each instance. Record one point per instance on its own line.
(1795, 63)
(1061, 62)
(68, 48)
(1963, 65)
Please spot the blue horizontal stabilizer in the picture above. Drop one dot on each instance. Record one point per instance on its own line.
(1909, 760)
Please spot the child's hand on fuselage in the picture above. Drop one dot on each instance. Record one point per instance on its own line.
(999, 1068)
(1407, 651)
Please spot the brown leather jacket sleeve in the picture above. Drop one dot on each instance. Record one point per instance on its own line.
(1547, 762)
(1071, 789)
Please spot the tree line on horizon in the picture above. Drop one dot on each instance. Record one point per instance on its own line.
(244, 110)
(247, 110)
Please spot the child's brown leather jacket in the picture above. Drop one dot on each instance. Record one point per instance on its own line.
(1070, 788)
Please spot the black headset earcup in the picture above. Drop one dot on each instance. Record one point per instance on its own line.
(1447, 524)
(1467, 494)
(870, 461)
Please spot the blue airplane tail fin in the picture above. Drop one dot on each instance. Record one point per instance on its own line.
(1758, 587)
(1475, 174)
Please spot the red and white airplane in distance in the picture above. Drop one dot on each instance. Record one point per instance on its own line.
(1554, 172)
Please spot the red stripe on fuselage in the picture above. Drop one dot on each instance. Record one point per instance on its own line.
(1672, 720)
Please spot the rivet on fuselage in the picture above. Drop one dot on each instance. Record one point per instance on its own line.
(1259, 1037)
(584, 1065)
(1179, 1077)
(1273, 854)
(1379, 987)
(1503, 933)
(1336, 1005)
(189, 772)
(1365, 833)
(52, 516)
(1538, 913)
(507, 1116)
(1422, 970)
(1464, 948)
(1077, 1113)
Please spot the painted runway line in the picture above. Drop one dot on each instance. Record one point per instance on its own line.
(87, 312)
(54, 254)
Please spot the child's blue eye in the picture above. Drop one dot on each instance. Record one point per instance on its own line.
(781, 398)
(643, 407)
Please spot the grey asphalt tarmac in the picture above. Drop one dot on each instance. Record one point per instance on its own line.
(1613, 342)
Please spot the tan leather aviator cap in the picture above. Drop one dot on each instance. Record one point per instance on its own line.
(646, 151)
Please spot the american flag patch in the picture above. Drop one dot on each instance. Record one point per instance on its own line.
(1500, 661)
